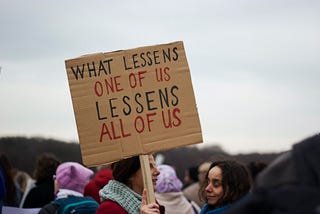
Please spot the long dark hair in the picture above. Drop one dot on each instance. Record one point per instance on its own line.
(45, 168)
(236, 182)
(124, 169)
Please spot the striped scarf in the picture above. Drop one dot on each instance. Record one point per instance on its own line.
(123, 195)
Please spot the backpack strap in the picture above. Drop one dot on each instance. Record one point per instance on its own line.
(194, 206)
(50, 208)
(74, 202)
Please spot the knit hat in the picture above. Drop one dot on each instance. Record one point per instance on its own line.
(73, 176)
(204, 167)
(168, 180)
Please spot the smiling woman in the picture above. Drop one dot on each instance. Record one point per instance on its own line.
(126, 193)
(226, 182)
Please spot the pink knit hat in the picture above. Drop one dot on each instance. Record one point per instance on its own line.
(167, 180)
(73, 176)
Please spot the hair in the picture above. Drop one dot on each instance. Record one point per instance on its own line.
(10, 198)
(236, 182)
(193, 173)
(22, 178)
(46, 166)
(255, 167)
(124, 169)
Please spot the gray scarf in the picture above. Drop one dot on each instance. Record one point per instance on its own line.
(123, 195)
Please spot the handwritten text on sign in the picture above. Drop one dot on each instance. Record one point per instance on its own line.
(131, 94)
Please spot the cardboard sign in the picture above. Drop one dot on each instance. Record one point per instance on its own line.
(133, 102)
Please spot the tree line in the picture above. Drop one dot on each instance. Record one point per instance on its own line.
(22, 153)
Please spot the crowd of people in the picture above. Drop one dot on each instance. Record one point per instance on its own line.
(289, 184)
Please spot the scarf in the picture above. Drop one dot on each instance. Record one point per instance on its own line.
(123, 195)
(205, 210)
(64, 193)
(176, 202)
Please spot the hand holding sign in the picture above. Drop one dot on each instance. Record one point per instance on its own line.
(147, 208)
(133, 102)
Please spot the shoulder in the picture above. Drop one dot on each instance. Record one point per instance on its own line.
(74, 204)
(109, 206)
(192, 188)
(75, 200)
(41, 188)
(191, 192)
(49, 209)
(219, 210)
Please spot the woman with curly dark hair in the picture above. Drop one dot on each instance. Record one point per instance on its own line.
(226, 182)
(43, 192)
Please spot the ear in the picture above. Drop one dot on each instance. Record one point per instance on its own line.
(130, 181)
(133, 178)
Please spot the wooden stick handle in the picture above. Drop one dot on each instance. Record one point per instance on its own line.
(147, 177)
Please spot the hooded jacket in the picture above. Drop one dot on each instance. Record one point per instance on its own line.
(98, 182)
(289, 185)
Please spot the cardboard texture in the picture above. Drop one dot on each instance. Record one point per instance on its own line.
(133, 102)
(147, 178)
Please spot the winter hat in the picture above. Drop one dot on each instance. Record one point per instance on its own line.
(73, 176)
(167, 180)
(204, 167)
(101, 178)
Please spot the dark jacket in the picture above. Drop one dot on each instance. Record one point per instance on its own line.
(98, 182)
(289, 185)
(40, 195)
(206, 210)
(2, 185)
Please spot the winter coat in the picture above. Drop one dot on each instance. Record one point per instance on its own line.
(98, 182)
(289, 185)
(191, 192)
(177, 203)
(206, 210)
(119, 198)
(40, 195)
(109, 206)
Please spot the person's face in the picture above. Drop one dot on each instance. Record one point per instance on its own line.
(187, 179)
(137, 179)
(214, 189)
(154, 171)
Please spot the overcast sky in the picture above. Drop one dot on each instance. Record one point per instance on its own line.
(255, 65)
